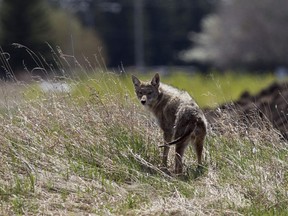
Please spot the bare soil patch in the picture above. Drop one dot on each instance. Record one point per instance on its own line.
(269, 105)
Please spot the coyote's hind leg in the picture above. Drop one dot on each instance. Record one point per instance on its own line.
(179, 152)
(199, 143)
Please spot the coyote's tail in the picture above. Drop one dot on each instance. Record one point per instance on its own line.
(196, 127)
(189, 129)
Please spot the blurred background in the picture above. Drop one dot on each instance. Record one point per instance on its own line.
(195, 35)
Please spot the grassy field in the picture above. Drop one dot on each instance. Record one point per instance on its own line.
(93, 151)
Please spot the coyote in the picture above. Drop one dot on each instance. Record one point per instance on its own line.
(178, 116)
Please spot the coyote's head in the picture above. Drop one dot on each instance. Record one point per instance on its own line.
(147, 92)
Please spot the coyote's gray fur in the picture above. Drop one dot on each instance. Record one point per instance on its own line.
(177, 114)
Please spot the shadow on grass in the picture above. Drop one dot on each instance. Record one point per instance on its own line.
(193, 173)
(190, 174)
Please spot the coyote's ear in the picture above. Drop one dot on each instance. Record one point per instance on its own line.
(136, 81)
(156, 80)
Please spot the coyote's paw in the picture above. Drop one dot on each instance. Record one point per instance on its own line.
(165, 170)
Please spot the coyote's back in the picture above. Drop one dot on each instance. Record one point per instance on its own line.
(177, 114)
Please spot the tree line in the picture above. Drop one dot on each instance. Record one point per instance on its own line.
(166, 24)
(34, 23)
(217, 33)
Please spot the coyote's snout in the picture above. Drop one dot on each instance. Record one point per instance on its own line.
(143, 99)
(178, 115)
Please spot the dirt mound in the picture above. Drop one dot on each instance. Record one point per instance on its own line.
(270, 104)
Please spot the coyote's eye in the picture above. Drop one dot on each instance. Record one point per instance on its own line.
(140, 92)
(149, 93)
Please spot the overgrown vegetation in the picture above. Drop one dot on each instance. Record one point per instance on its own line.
(94, 150)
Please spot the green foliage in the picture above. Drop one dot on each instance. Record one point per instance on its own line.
(77, 43)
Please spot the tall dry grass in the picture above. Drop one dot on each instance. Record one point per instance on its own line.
(94, 151)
